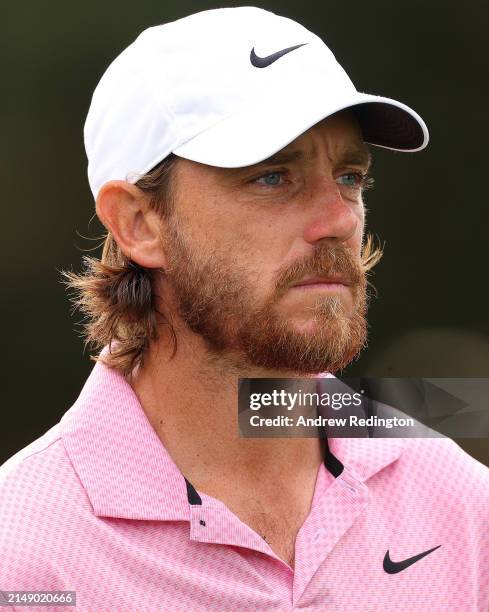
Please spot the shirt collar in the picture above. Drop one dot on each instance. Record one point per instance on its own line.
(362, 457)
(127, 472)
(122, 464)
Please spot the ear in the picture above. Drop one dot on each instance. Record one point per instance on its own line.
(123, 209)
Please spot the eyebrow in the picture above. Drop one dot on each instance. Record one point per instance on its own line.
(357, 156)
(360, 156)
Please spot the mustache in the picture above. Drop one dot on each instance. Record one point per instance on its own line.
(327, 261)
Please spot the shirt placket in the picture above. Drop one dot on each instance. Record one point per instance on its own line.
(344, 501)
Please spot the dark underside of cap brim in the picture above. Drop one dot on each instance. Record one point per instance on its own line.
(388, 126)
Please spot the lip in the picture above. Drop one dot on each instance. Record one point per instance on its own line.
(331, 281)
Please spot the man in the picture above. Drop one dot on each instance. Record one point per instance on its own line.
(228, 159)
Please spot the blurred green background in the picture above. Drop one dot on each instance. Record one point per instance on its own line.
(430, 318)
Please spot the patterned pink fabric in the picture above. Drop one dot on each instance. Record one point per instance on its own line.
(97, 505)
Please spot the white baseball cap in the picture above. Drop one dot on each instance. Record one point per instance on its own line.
(226, 87)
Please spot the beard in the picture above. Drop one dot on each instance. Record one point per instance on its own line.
(215, 299)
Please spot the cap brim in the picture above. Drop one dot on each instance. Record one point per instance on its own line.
(259, 130)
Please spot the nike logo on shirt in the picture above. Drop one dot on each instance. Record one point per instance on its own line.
(393, 567)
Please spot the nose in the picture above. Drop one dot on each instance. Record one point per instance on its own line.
(332, 217)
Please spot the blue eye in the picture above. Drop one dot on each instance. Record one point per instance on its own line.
(354, 179)
(271, 179)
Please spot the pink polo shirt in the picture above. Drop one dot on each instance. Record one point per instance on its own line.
(97, 506)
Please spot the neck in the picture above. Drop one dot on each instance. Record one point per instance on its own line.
(191, 402)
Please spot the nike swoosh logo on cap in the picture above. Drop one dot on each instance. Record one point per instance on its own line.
(393, 567)
(263, 62)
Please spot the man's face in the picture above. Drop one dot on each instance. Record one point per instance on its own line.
(240, 239)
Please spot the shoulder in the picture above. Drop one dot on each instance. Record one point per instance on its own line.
(446, 472)
(446, 456)
(40, 498)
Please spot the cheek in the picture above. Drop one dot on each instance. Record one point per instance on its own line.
(244, 236)
(254, 251)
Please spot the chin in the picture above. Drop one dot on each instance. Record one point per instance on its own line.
(311, 326)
